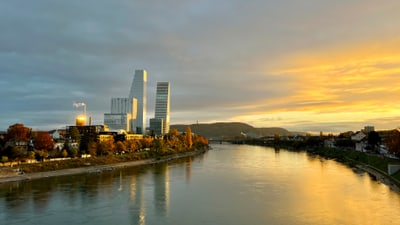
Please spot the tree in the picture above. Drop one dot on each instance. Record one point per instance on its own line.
(92, 148)
(373, 139)
(74, 134)
(158, 145)
(173, 133)
(18, 131)
(189, 140)
(105, 148)
(146, 142)
(131, 145)
(14, 153)
(43, 141)
(120, 147)
(393, 142)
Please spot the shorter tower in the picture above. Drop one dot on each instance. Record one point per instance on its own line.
(161, 122)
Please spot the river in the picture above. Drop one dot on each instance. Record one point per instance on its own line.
(228, 185)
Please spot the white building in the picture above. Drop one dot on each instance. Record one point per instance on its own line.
(161, 122)
(139, 92)
(121, 121)
(123, 114)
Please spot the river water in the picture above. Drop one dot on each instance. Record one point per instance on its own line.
(229, 185)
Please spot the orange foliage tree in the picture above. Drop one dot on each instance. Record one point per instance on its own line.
(18, 131)
(43, 141)
(189, 140)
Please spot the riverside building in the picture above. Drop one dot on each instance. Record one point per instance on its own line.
(139, 92)
(161, 121)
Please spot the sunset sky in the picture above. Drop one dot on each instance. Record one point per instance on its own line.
(304, 65)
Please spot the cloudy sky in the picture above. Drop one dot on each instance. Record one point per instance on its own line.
(304, 65)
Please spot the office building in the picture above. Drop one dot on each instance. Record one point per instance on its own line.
(161, 121)
(139, 92)
(116, 122)
(123, 114)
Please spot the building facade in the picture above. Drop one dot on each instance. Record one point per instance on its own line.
(123, 114)
(117, 121)
(161, 120)
(139, 92)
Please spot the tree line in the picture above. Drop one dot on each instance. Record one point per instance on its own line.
(27, 144)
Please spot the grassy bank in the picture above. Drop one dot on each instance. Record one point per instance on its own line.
(95, 161)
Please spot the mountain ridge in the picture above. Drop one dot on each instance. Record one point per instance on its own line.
(230, 129)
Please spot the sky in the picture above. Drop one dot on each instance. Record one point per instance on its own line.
(303, 65)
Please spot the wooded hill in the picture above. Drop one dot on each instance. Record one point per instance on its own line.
(233, 129)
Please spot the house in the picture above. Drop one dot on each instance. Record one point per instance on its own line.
(329, 143)
(360, 140)
(19, 144)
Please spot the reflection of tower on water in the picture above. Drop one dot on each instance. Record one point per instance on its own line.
(188, 169)
(137, 196)
(161, 188)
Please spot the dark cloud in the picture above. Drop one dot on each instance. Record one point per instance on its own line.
(214, 53)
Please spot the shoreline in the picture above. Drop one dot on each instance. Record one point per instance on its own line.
(380, 177)
(96, 169)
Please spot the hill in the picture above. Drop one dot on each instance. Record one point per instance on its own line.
(233, 129)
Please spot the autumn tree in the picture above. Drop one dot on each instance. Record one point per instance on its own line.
(146, 142)
(393, 142)
(158, 145)
(18, 131)
(131, 145)
(199, 141)
(120, 147)
(92, 148)
(43, 141)
(173, 133)
(106, 148)
(189, 141)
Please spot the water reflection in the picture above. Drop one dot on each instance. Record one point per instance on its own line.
(137, 197)
(228, 185)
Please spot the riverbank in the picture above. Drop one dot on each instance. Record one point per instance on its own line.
(96, 169)
(375, 165)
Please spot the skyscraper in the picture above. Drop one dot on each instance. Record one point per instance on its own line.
(139, 91)
(161, 118)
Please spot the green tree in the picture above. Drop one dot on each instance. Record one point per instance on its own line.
(74, 134)
(73, 152)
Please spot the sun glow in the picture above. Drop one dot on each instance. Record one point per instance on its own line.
(347, 85)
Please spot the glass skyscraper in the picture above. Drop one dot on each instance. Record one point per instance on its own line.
(139, 91)
(161, 119)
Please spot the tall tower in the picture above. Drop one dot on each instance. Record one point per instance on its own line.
(163, 106)
(139, 91)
